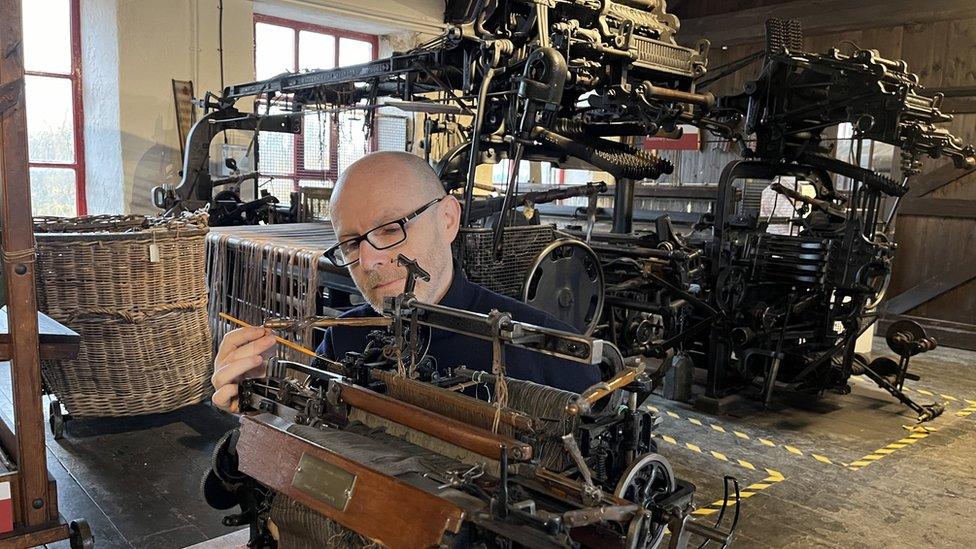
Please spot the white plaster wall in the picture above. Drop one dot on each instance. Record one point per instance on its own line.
(160, 40)
(100, 79)
(134, 48)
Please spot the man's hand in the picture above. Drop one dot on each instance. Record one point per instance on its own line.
(242, 354)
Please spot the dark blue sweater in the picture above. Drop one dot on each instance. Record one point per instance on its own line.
(452, 349)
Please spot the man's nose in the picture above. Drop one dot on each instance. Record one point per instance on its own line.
(370, 258)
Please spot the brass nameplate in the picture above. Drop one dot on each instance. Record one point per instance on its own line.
(324, 481)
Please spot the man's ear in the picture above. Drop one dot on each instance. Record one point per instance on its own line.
(450, 215)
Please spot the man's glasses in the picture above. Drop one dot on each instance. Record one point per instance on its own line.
(385, 236)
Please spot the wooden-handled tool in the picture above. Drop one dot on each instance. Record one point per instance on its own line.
(590, 396)
(280, 340)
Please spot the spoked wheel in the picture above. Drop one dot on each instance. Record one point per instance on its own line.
(566, 281)
(648, 480)
(80, 535)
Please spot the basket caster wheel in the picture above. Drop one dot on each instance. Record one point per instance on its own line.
(56, 419)
(81, 536)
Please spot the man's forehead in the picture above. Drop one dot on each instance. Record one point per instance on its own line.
(355, 216)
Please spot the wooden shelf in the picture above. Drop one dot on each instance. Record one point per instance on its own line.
(57, 340)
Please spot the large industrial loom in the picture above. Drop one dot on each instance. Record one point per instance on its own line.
(579, 80)
(393, 450)
(755, 309)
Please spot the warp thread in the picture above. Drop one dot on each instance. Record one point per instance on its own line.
(254, 279)
(501, 384)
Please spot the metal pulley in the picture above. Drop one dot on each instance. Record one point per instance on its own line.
(908, 338)
(566, 281)
(647, 481)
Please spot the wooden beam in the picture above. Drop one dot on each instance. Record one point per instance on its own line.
(35, 536)
(19, 273)
(958, 105)
(821, 17)
(929, 181)
(934, 286)
(951, 91)
(691, 192)
(939, 207)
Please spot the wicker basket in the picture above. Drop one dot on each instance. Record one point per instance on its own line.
(135, 289)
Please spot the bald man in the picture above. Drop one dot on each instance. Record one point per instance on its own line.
(386, 204)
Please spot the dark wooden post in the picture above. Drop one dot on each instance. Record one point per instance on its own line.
(33, 505)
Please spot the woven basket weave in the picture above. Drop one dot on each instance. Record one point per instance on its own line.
(145, 339)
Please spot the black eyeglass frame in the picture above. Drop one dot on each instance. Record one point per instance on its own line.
(402, 222)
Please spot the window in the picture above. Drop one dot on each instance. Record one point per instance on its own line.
(875, 155)
(316, 156)
(52, 62)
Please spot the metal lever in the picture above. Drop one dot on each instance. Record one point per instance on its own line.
(591, 215)
(591, 494)
(414, 271)
(590, 396)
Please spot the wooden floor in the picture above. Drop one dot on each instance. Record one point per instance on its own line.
(136, 480)
(841, 471)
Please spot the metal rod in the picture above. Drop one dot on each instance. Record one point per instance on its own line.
(473, 148)
(623, 206)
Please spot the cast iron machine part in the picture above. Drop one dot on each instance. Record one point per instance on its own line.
(638, 486)
(543, 82)
(566, 281)
(196, 189)
(906, 338)
(768, 303)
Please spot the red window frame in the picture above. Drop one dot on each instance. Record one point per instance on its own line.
(81, 202)
(300, 172)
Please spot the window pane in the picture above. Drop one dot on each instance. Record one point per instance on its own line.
(277, 153)
(281, 188)
(50, 124)
(317, 133)
(274, 50)
(47, 35)
(316, 183)
(391, 133)
(53, 192)
(352, 138)
(354, 52)
(315, 51)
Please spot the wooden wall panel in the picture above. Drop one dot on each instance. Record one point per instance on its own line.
(960, 69)
(964, 188)
(924, 48)
(887, 40)
(927, 246)
(688, 9)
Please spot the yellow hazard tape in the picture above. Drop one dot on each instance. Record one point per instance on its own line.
(918, 433)
(965, 402)
(697, 449)
(739, 434)
(966, 412)
(948, 398)
(773, 477)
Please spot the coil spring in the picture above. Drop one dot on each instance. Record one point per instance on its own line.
(599, 468)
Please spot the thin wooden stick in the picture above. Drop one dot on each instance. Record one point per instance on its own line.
(324, 322)
(280, 340)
